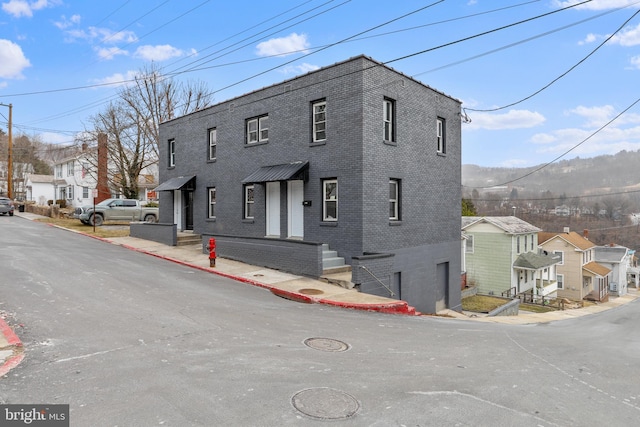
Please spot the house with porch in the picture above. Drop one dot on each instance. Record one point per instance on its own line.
(580, 276)
(502, 258)
(354, 164)
(619, 260)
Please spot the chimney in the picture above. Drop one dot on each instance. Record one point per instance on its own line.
(84, 147)
(102, 186)
(585, 233)
(566, 230)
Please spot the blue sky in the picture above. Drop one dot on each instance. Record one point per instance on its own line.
(553, 81)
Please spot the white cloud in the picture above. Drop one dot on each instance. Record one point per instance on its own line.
(293, 43)
(299, 69)
(102, 35)
(12, 60)
(635, 61)
(595, 4)
(117, 79)
(18, 8)
(513, 119)
(65, 23)
(157, 53)
(110, 52)
(595, 116)
(627, 37)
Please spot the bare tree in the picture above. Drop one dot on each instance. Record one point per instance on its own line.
(132, 123)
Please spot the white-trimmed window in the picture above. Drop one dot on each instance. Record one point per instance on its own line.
(85, 192)
(70, 167)
(248, 201)
(394, 199)
(213, 142)
(258, 129)
(441, 136)
(319, 121)
(561, 255)
(389, 119)
(70, 192)
(172, 153)
(330, 200)
(560, 280)
(468, 247)
(212, 202)
(58, 171)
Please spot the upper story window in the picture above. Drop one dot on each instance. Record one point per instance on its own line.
(85, 192)
(213, 142)
(561, 255)
(172, 153)
(394, 199)
(248, 201)
(70, 167)
(441, 136)
(518, 244)
(58, 171)
(258, 130)
(389, 120)
(330, 200)
(212, 202)
(319, 121)
(468, 247)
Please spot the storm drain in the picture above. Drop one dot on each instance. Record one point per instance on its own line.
(325, 403)
(326, 344)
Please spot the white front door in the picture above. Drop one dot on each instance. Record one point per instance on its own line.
(177, 208)
(295, 196)
(273, 209)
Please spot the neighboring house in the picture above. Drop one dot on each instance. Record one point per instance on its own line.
(502, 257)
(620, 261)
(579, 275)
(355, 156)
(40, 188)
(19, 172)
(75, 177)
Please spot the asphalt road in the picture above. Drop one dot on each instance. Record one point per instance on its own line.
(132, 340)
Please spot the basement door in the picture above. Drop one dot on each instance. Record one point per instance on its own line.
(295, 209)
(273, 209)
(442, 286)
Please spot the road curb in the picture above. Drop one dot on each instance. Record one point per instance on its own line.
(14, 343)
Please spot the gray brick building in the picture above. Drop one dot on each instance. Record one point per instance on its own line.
(355, 158)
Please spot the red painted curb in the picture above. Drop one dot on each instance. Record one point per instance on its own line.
(14, 341)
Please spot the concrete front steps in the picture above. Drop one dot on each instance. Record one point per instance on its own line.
(334, 269)
(187, 238)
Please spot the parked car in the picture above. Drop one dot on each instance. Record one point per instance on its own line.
(6, 206)
(116, 210)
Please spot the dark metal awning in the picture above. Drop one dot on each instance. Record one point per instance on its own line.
(285, 172)
(177, 183)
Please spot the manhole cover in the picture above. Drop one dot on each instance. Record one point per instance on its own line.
(326, 344)
(309, 291)
(325, 403)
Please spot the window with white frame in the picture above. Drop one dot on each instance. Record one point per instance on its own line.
(212, 202)
(441, 135)
(560, 255)
(172, 153)
(85, 192)
(58, 171)
(330, 200)
(258, 130)
(248, 201)
(468, 247)
(213, 142)
(70, 167)
(560, 280)
(389, 119)
(518, 244)
(394, 199)
(70, 192)
(319, 121)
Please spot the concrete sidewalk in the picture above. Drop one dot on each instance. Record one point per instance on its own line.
(296, 288)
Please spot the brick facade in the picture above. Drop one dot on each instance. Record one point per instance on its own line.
(424, 242)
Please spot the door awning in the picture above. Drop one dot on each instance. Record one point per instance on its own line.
(285, 172)
(178, 183)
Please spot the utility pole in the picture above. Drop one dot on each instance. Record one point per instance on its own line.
(9, 160)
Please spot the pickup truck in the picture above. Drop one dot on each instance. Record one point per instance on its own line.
(116, 210)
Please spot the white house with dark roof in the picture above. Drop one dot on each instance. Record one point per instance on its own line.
(39, 188)
(619, 260)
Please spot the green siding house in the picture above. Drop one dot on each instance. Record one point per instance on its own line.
(502, 257)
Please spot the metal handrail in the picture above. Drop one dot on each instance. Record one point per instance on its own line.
(391, 293)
